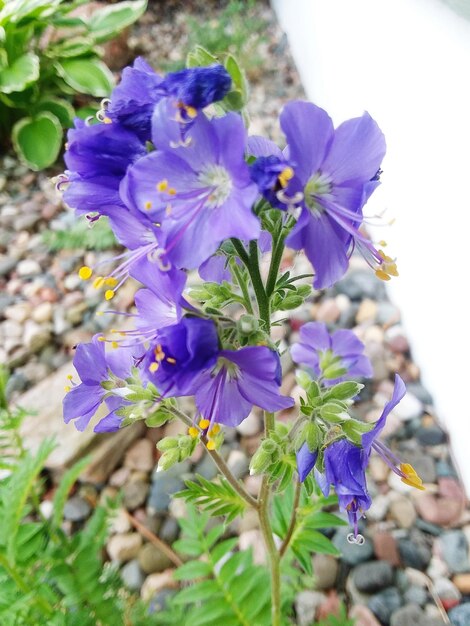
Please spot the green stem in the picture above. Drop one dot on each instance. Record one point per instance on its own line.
(276, 257)
(251, 262)
(265, 525)
(293, 520)
(243, 286)
(23, 586)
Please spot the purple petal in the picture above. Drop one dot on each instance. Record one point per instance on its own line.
(108, 424)
(90, 362)
(81, 403)
(215, 269)
(316, 335)
(345, 343)
(260, 147)
(356, 152)
(309, 131)
(399, 392)
(305, 461)
(220, 400)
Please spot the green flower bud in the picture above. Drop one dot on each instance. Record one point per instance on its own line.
(167, 443)
(247, 324)
(264, 457)
(168, 459)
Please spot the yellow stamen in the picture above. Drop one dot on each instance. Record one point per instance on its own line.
(193, 432)
(114, 344)
(411, 477)
(107, 120)
(101, 338)
(148, 205)
(171, 360)
(162, 185)
(172, 191)
(210, 445)
(285, 176)
(191, 111)
(98, 282)
(67, 388)
(109, 294)
(69, 377)
(85, 272)
(153, 367)
(99, 313)
(111, 281)
(383, 243)
(215, 430)
(204, 424)
(382, 275)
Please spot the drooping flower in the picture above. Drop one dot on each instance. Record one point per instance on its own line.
(100, 373)
(345, 464)
(97, 158)
(337, 356)
(240, 379)
(334, 172)
(200, 193)
(197, 87)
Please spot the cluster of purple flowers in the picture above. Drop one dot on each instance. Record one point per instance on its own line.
(177, 181)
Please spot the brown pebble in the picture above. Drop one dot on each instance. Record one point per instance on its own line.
(462, 582)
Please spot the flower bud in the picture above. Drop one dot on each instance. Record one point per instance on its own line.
(167, 443)
(247, 324)
(264, 457)
(168, 459)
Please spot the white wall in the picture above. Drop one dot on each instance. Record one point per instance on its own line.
(407, 62)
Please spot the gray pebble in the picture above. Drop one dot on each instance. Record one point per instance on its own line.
(132, 576)
(460, 615)
(373, 576)
(385, 603)
(76, 509)
(455, 551)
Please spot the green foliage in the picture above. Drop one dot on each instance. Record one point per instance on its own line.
(81, 236)
(310, 518)
(49, 54)
(222, 587)
(337, 620)
(216, 498)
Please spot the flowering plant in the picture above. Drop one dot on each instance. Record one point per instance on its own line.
(169, 161)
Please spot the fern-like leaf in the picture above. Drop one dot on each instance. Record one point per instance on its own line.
(216, 498)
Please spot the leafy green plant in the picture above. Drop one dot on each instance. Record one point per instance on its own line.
(338, 620)
(48, 53)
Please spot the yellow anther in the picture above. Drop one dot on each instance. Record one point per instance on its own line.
(392, 269)
(109, 294)
(172, 191)
(383, 243)
(85, 272)
(101, 338)
(386, 258)
(171, 360)
(162, 185)
(382, 275)
(191, 111)
(99, 313)
(114, 344)
(285, 176)
(148, 205)
(107, 120)
(411, 477)
(153, 367)
(111, 281)
(69, 377)
(215, 430)
(210, 445)
(98, 282)
(193, 432)
(67, 388)
(204, 424)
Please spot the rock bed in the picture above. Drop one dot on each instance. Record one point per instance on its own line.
(414, 563)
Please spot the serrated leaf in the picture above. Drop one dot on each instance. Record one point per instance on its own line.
(38, 140)
(88, 76)
(22, 73)
(197, 592)
(193, 569)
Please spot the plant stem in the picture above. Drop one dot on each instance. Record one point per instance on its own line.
(293, 519)
(219, 461)
(243, 286)
(161, 545)
(276, 257)
(265, 525)
(252, 264)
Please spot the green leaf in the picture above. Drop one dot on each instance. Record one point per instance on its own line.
(200, 57)
(89, 76)
(62, 109)
(15, 10)
(73, 47)
(108, 22)
(20, 74)
(38, 140)
(215, 498)
(343, 391)
(193, 569)
(197, 592)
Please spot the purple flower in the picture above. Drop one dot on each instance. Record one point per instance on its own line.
(215, 269)
(333, 170)
(199, 86)
(97, 158)
(226, 393)
(201, 193)
(340, 354)
(181, 352)
(160, 304)
(95, 367)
